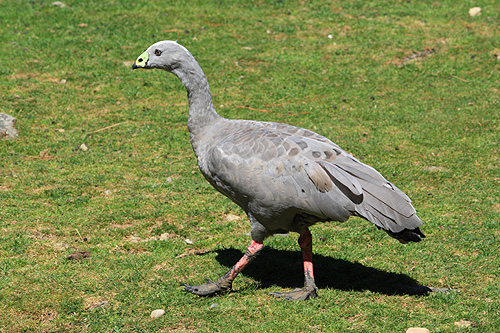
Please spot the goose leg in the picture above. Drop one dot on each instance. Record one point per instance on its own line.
(225, 282)
(309, 290)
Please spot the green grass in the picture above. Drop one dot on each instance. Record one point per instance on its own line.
(139, 178)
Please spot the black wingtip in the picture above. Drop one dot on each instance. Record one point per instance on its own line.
(407, 235)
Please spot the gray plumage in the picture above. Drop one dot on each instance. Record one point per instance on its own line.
(284, 177)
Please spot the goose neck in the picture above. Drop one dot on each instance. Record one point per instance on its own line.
(202, 113)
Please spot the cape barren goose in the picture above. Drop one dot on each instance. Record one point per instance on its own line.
(285, 178)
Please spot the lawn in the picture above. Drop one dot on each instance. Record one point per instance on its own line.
(103, 164)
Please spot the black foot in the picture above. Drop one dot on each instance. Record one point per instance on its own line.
(208, 289)
(424, 290)
(300, 294)
(440, 290)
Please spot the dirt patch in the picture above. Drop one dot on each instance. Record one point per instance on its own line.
(162, 237)
(193, 252)
(35, 76)
(79, 255)
(496, 207)
(434, 168)
(120, 226)
(43, 189)
(48, 315)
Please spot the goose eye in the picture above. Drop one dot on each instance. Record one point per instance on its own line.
(157, 52)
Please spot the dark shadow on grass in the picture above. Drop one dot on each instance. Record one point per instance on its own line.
(284, 269)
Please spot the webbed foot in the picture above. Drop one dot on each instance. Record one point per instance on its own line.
(299, 294)
(208, 289)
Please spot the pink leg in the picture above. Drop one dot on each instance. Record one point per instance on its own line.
(305, 243)
(309, 290)
(224, 282)
(249, 255)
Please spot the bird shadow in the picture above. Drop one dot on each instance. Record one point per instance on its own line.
(284, 268)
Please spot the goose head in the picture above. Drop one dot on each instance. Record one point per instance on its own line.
(167, 55)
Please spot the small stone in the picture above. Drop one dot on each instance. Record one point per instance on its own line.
(417, 330)
(435, 168)
(157, 313)
(232, 217)
(474, 11)
(7, 129)
(83, 147)
(134, 239)
(45, 153)
(463, 323)
(60, 246)
(63, 81)
(59, 4)
(98, 305)
(188, 241)
(166, 236)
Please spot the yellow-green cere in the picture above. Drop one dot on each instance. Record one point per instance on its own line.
(142, 60)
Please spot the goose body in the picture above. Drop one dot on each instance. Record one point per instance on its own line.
(284, 177)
